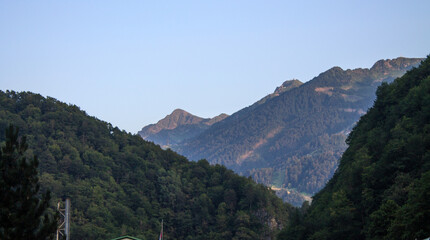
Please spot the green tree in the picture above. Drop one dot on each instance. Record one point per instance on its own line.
(412, 219)
(23, 215)
(243, 226)
(381, 220)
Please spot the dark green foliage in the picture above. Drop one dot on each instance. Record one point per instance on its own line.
(120, 184)
(23, 215)
(381, 189)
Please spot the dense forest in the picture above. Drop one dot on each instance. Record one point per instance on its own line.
(293, 138)
(120, 184)
(381, 189)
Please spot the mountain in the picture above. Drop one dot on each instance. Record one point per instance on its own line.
(381, 188)
(120, 184)
(177, 127)
(285, 87)
(292, 139)
(180, 125)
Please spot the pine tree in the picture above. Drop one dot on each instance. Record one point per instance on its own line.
(23, 212)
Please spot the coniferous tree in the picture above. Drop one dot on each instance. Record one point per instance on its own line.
(23, 214)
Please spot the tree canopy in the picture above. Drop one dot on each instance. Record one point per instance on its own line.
(23, 212)
(120, 184)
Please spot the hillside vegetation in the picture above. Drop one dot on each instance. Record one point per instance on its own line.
(381, 189)
(120, 184)
(292, 139)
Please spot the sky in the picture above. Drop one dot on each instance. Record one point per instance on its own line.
(131, 63)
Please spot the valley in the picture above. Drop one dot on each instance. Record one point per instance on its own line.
(214, 120)
(292, 138)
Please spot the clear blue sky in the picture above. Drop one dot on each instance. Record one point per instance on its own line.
(133, 62)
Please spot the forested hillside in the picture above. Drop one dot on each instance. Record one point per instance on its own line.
(292, 139)
(381, 189)
(120, 184)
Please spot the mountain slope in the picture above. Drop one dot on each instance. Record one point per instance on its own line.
(177, 127)
(381, 188)
(285, 87)
(120, 184)
(292, 140)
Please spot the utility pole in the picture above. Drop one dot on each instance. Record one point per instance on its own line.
(64, 224)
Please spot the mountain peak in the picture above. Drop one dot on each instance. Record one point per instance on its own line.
(179, 111)
(180, 114)
(177, 125)
(288, 85)
(386, 70)
(389, 64)
(335, 69)
(177, 118)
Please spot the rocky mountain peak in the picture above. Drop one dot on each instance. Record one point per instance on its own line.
(179, 119)
(288, 85)
(390, 64)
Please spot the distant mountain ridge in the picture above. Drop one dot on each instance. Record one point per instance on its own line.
(292, 139)
(176, 127)
(381, 187)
